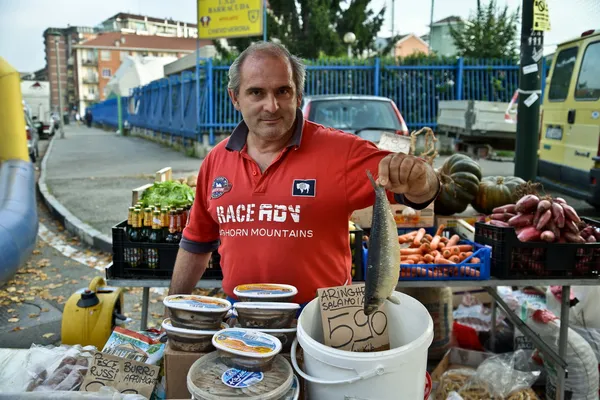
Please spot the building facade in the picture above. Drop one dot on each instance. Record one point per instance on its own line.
(440, 39)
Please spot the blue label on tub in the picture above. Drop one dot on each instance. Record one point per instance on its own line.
(236, 378)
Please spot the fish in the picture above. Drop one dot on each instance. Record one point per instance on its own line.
(383, 259)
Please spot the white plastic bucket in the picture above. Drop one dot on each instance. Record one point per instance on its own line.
(398, 373)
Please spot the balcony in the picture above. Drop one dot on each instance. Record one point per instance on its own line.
(89, 61)
(90, 97)
(90, 79)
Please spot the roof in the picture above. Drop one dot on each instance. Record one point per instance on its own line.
(132, 41)
(344, 97)
(448, 20)
(151, 19)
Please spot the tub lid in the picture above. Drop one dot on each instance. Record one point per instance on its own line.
(266, 305)
(265, 290)
(294, 391)
(191, 302)
(247, 343)
(210, 379)
(167, 326)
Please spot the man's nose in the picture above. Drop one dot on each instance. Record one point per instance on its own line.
(271, 105)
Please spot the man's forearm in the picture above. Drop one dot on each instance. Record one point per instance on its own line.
(188, 270)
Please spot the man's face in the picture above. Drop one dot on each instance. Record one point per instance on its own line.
(267, 97)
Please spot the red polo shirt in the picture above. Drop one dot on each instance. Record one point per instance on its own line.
(288, 224)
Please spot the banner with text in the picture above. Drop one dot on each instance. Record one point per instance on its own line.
(229, 18)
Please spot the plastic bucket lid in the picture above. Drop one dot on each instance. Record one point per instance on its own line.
(266, 305)
(194, 303)
(265, 290)
(205, 380)
(167, 326)
(247, 343)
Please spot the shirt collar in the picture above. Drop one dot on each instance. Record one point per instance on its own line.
(239, 135)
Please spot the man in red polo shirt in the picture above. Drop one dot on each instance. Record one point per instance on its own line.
(277, 195)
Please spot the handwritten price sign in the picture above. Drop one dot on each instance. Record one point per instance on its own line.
(345, 325)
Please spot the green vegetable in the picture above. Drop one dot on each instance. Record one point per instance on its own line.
(168, 193)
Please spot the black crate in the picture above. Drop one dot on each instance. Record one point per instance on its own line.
(126, 252)
(512, 258)
(356, 249)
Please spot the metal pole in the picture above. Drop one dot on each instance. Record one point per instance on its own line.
(145, 299)
(430, 23)
(265, 20)
(60, 98)
(562, 339)
(529, 96)
(393, 15)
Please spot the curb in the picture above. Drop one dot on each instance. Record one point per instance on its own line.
(72, 224)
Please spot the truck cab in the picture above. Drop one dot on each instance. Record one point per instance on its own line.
(569, 150)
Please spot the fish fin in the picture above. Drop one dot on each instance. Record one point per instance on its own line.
(394, 299)
(372, 179)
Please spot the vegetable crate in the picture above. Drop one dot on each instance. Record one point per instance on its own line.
(512, 258)
(131, 260)
(466, 270)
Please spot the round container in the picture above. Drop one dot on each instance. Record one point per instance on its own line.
(190, 340)
(190, 311)
(265, 292)
(286, 336)
(205, 380)
(265, 315)
(294, 392)
(246, 349)
(375, 375)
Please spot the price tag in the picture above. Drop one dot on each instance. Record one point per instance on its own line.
(345, 325)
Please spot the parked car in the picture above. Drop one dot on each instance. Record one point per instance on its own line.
(365, 116)
(569, 152)
(32, 138)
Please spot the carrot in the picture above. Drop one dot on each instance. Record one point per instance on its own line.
(419, 237)
(435, 242)
(408, 262)
(425, 248)
(428, 258)
(441, 245)
(429, 237)
(406, 252)
(459, 248)
(424, 271)
(435, 253)
(446, 253)
(462, 256)
(468, 254)
(469, 271)
(455, 259)
(415, 258)
(475, 260)
(453, 240)
(440, 230)
(442, 260)
(409, 234)
(444, 239)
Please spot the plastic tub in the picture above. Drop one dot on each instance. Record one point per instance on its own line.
(190, 340)
(190, 311)
(207, 376)
(286, 336)
(246, 349)
(265, 292)
(265, 315)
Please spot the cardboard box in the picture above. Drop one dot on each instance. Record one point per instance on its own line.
(422, 218)
(177, 365)
(478, 292)
(457, 358)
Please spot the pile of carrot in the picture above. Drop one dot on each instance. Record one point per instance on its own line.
(437, 250)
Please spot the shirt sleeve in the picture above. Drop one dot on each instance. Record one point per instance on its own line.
(201, 235)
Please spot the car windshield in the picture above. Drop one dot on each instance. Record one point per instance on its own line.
(350, 115)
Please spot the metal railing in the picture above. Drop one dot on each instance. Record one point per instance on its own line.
(189, 105)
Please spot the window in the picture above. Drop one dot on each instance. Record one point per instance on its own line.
(588, 83)
(561, 76)
(106, 73)
(123, 55)
(105, 55)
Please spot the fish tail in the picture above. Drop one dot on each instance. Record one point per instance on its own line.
(371, 179)
(394, 299)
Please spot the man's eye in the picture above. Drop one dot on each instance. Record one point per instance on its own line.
(284, 91)
(255, 92)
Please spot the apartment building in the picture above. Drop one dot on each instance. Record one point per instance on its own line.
(99, 58)
(144, 25)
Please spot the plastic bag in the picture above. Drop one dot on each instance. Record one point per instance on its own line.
(144, 346)
(585, 312)
(105, 393)
(500, 375)
(451, 381)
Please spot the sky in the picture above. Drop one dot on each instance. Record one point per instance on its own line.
(22, 22)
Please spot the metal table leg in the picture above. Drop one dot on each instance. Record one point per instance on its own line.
(562, 339)
(493, 327)
(145, 301)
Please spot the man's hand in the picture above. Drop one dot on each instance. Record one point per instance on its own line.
(408, 175)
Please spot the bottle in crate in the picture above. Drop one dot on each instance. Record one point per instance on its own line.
(147, 224)
(172, 235)
(156, 236)
(135, 254)
(164, 220)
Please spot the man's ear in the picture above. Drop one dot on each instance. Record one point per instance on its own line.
(234, 99)
(299, 101)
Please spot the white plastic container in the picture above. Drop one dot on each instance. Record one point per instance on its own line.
(246, 349)
(207, 376)
(398, 373)
(265, 314)
(190, 340)
(190, 311)
(265, 292)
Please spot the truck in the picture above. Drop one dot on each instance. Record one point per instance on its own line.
(36, 94)
(481, 129)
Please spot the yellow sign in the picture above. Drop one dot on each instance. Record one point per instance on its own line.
(541, 16)
(229, 18)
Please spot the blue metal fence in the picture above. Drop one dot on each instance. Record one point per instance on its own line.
(187, 105)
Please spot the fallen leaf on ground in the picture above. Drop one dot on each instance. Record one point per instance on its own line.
(10, 310)
(13, 320)
(44, 262)
(36, 252)
(153, 301)
(45, 310)
(47, 335)
(156, 315)
(34, 315)
(30, 298)
(11, 289)
(16, 329)
(74, 281)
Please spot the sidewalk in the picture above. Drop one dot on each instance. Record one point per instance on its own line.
(88, 177)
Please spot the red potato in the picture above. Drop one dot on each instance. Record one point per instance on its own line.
(502, 217)
(570, 213)
(542, 207)
(560, 200)
(551, 226)
(591, 239)
(571, 227)
(509, 208)
(521, 220)
(547, 236)
(544, 219)
(596, 234)
(527, 203)
(529, 234)
(501, 224)
(573, 237)
(558, 215)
